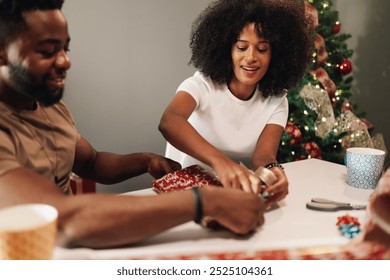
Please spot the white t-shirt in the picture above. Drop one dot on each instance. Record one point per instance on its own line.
(226, 122)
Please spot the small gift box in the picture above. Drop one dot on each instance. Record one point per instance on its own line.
(80, 185)
(185, 179)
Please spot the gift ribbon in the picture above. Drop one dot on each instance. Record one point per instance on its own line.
(322, 76)
(322, 54)
(348, 225)
(311, 14)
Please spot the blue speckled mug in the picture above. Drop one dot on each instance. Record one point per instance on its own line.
(364, 167)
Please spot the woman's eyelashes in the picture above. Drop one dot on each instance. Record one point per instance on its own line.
(261, 49)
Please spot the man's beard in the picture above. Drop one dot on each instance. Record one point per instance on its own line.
(25, 84)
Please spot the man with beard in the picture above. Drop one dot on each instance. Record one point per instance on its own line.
(40, 147)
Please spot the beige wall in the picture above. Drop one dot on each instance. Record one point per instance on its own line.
(368, 23)
(129, 56)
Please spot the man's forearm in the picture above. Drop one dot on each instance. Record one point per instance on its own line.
(109, 168)
(99, 221)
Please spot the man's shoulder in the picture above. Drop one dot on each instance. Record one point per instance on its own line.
(61, 106)
(6, 118)
(62, 109)
(5, 110)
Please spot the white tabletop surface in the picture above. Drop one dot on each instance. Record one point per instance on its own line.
(290, 225)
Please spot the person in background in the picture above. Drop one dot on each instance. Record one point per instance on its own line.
(40, 146)
(234, 108)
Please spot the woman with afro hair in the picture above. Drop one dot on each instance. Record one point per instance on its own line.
(234, 109)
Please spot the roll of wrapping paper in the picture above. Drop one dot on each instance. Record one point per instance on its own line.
(266, 176)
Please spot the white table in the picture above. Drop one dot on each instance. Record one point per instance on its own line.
(291, 225)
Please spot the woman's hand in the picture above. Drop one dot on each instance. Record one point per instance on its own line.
(236, 176)
(279, 189)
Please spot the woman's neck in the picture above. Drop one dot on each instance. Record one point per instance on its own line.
(241, 91)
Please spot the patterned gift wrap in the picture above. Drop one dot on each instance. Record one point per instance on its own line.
(352, 251)
(185, 179)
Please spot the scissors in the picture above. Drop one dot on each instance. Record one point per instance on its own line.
(323, 204)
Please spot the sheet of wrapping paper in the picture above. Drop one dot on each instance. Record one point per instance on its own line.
(197, 176)
(359, 251)
(318, 100)
(357, 132)
(185, 179)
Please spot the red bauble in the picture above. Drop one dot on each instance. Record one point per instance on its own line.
(293, 131)
(336, 29)
(312, 150)
(345, 67)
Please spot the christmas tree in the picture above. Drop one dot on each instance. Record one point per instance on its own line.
(322, 122)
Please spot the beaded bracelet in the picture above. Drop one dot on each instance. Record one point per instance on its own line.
(198, 205)
(273, 164)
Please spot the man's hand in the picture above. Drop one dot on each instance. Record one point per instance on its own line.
(238, 211)
(159, 166)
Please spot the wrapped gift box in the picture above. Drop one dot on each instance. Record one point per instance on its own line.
(185, 179)
(80, 185)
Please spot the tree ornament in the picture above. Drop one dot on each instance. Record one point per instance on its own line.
(293, 131)
(336, 28)
(312, 150)
(345, 67)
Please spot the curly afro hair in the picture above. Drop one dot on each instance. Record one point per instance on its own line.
(282, 22)
(11, 15)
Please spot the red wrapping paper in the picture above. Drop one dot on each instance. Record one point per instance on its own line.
(185, 179)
